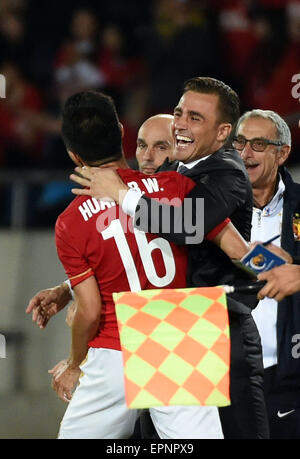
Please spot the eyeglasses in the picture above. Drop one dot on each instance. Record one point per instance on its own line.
(260, 144)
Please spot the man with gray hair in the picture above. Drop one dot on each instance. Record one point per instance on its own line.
(264, 141)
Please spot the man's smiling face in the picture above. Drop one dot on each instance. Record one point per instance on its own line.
(262, 166)
(196, 126)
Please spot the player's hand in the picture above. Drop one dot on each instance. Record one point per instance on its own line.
(279, 251)
(47, 303)
(64, 380)
(103, 183)
(282, 281)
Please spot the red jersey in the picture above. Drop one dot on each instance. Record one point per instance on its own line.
(95, 238)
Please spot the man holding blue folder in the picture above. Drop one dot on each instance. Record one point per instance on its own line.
(264, 142)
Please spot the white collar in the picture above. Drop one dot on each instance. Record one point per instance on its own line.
(276, 203)
(193, 163)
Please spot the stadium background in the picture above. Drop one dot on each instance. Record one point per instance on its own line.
(140, 52)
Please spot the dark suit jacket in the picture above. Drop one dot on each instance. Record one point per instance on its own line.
(223, 182)
(288, 315)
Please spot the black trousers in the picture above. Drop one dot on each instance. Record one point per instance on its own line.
(283, 407)
(247, 415)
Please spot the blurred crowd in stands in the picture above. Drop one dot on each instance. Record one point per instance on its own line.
(140, 52)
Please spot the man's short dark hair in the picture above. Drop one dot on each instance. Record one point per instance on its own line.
(229, 102)
(90, 127)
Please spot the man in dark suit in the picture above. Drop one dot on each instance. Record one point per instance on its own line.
(203, 121)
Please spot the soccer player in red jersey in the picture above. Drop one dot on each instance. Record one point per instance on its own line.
(102, 254)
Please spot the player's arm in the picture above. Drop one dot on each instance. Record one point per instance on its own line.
(46, 303)
(220, 200)
(86, 319)
(224, 235)
(282, 281)
(227, 237)
(148, 213)
(84, 328)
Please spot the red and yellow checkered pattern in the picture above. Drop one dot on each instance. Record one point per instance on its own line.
(176, 346)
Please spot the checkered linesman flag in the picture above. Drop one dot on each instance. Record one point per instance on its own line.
(176, 346)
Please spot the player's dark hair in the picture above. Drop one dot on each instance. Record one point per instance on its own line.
(90, 127)
(229, 102)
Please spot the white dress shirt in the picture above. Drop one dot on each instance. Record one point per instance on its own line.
(266, 223)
